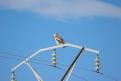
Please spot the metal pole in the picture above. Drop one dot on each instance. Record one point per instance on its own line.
(34, 71)
(72, 64)
(69, 74)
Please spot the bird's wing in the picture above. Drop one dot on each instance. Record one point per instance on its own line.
(60, 40)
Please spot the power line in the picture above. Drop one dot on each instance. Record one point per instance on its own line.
(22, 57)
(7, 55)
(107, 76)
(37, 61)
(59, 68)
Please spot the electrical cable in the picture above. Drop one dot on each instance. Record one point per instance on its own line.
(73, 74)
(21, 58)
(59, 68)
(107, 76)
(37, 61)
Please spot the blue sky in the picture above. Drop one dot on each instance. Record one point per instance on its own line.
(28, 25)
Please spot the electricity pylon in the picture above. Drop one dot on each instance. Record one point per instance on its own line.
(69, 70)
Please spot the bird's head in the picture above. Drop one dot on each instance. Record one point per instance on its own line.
(55, 34)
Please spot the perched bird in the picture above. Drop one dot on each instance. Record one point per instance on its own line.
(58, 39)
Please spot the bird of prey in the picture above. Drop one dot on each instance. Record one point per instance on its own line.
(58, 39)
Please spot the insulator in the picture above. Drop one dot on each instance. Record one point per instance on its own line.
(54, 58)
(97, 64)
(54, 55)
(13, 77)
(97, 70)
(97, 59)
(54, 62)
(54, 51)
